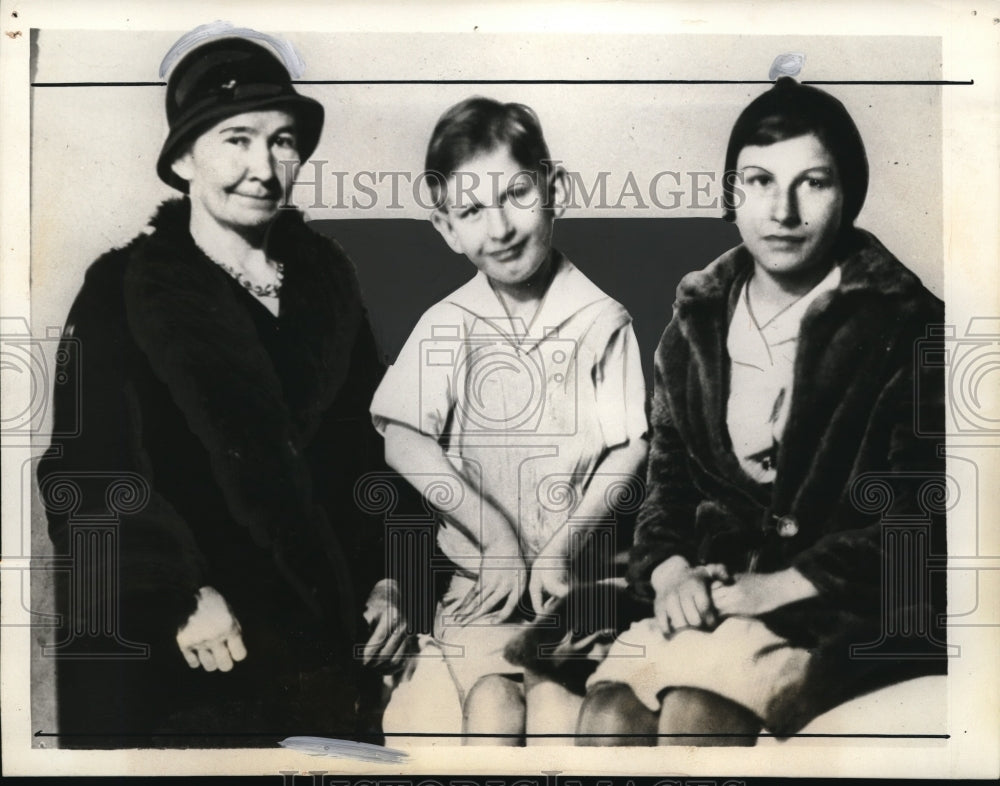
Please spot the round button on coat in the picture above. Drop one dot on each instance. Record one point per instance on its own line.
(788, 527)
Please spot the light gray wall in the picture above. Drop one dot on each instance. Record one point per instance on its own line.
(94, 148)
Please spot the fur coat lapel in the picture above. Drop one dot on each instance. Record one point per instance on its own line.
(705, 303)
(172, 281)
(844, 328)
(254, 422)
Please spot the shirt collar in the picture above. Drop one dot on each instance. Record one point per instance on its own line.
(749, 345)
(785, 326)
(569, 292)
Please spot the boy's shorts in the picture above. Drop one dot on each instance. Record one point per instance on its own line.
(430, 694)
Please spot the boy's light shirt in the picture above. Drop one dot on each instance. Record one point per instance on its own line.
(524, 412)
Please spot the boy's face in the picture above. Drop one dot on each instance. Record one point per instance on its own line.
(495, 214)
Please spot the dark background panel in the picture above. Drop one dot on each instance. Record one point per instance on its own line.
(404, 267)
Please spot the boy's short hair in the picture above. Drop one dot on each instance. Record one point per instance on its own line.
(789, 110)
(478, 125)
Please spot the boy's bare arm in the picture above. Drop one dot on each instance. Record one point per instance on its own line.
(606, 489)
(421, 460)
(602, 494)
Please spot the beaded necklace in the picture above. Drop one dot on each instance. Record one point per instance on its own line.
(259, 290)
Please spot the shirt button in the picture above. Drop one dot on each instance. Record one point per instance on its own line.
(788, 527)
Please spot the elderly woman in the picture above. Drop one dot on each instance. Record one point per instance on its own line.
(227, 365)
(785, 382)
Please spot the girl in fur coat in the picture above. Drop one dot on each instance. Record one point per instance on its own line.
(795, 444)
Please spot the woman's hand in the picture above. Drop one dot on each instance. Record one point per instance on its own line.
(211, 637)
(683, 598)
(753, 594)
(501, 582)
(386, 647)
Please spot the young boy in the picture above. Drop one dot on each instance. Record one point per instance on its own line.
(524, 389)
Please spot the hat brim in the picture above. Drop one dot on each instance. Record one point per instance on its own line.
(308, 113)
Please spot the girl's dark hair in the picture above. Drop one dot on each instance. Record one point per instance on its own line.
(478, 125)
(790, 110)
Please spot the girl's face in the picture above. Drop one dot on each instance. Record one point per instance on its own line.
(494, 213)
(792, 207)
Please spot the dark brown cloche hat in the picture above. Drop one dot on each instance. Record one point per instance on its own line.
(227, 77)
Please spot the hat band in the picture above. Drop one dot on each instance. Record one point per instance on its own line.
(232, 93)
(241, 92)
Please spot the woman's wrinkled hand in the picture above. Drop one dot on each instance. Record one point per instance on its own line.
(683, 598)
(211, 638)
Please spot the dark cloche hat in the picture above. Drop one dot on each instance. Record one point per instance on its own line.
(227, 77)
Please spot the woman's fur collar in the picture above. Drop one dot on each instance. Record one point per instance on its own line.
(254, 423)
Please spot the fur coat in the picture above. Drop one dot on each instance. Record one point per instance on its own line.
(243, 435)
(860, 472)
(860, 468)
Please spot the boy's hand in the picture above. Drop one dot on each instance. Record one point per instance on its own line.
(753, 594)
(502, 578)
(683, 598)
(549, 578)
(546, 585)
(386, 647)
(211, 638)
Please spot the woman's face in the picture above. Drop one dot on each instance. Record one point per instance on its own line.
(792, 207)
(236, 171)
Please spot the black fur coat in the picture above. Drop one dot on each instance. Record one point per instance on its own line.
(857, 505)
(243, 435)
(860, 472)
